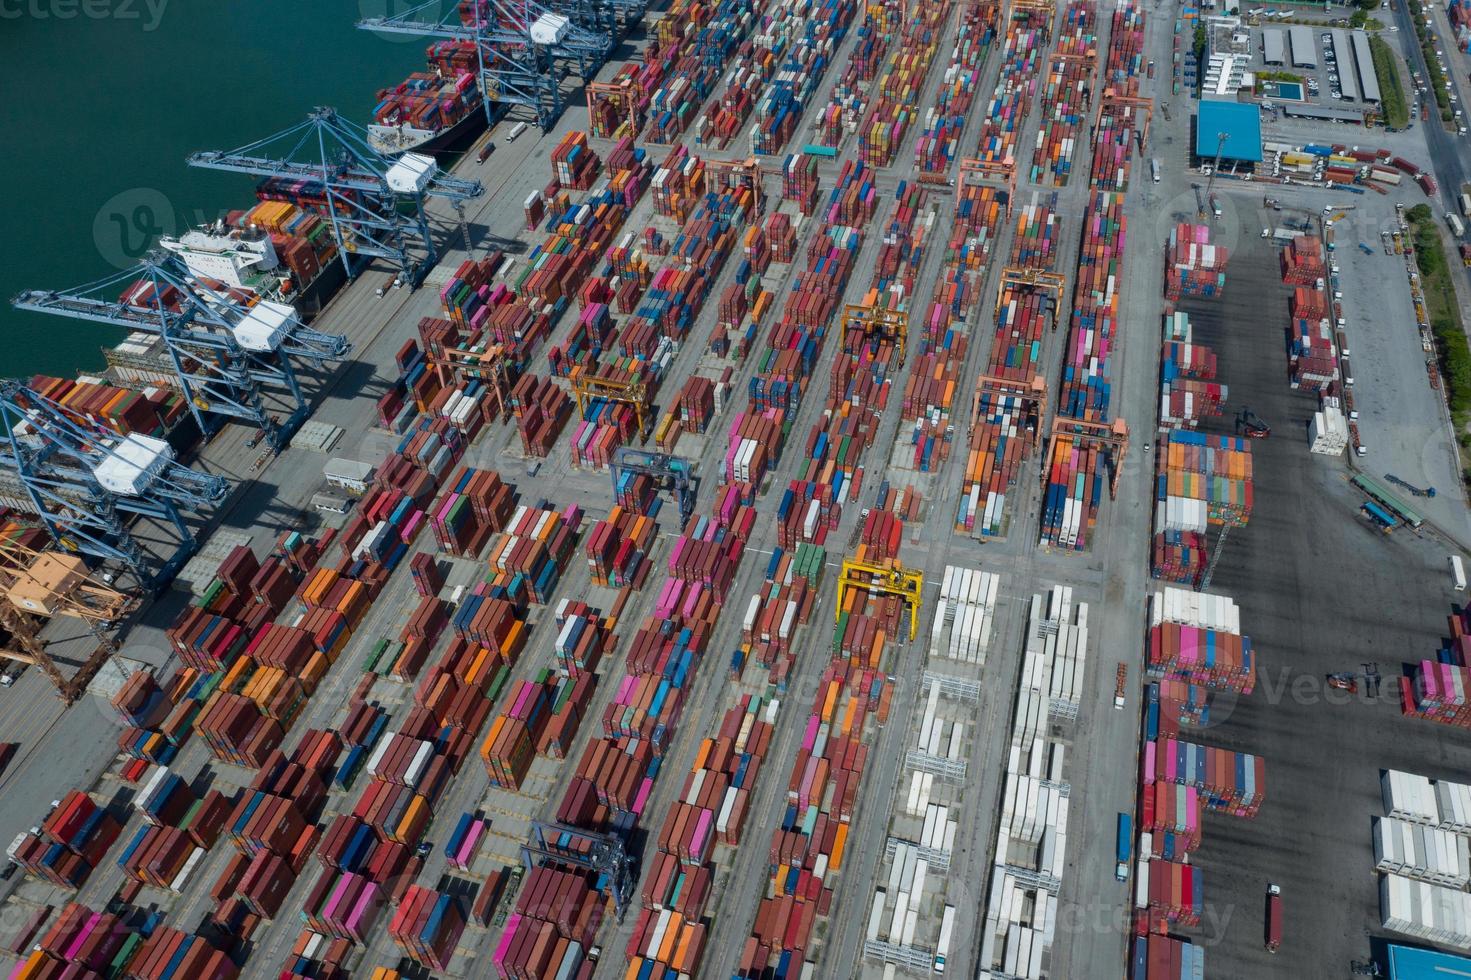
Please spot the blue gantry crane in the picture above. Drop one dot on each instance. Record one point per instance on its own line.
(672, 473)
(222, 354)
(374, 205)
(85, 482)
(526, 49)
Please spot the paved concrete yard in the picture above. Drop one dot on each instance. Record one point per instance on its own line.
(1320, 591)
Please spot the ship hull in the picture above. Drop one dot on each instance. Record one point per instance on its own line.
(450, 140)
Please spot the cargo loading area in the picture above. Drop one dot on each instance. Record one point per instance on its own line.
(739, 563)
(1322, 592)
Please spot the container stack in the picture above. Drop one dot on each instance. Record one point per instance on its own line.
(849, 100)
(782, 603)
(809, 844)
(1302, 262)
(1438, 692)
(1119, 120)
(1178, 556)
(1172, 705)
(1006, 111)
(1228, 782)
(781, 235)
(475, 504)
(344, 905)
(80, 943)
(1328, 429)
(617, 548)
(1188, 390)
(574, 164)
(806, 35)
(542, 410)
(1075, 483)
(900, 84)
(1175, 893)
(1036, 237)
(944, 121)
(1197, 638)
(1313, 356)
(168, 954)
(426, 926)
(236, 730)
(1066, 94)
(1203, 480)
(537, 543)
(1413, 850)
(553, 925)
(511, 742)
(466, 300)
(799, 182)
(150, 412)
(1193, 266)
(74, 838)
(1160, 957)
(140, 702)
(1430, 912)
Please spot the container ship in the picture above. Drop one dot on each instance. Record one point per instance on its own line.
(280, 249)
(436, 111)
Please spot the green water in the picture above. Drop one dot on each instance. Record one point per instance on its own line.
(97, 114)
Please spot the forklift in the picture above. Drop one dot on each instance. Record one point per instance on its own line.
(1252, 425)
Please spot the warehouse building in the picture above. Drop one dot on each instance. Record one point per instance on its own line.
(1364, 61)
(1240, 122)
(1343, 50)
(1272, 51)
(1304, 49)
(1327, 113)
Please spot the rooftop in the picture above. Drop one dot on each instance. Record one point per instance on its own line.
(1242, 122)
(1409, 963)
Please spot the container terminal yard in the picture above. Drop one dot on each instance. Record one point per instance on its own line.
(836, 490)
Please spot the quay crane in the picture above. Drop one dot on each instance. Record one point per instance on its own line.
(223, 354)
(84, 481)
(367, 195)
(526, 50)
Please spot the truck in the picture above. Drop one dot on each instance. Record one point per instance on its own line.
(1124, 847)
(1453, 221)
(1464, 200)
(1466, 255)
(1274, 918)
(942, 948)
(1458, 573)
(1154, 168)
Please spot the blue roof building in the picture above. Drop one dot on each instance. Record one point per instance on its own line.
(1241, 121)
(1409, 963)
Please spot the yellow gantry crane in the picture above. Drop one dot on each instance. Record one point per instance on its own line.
(891, 325)
(636, 393)
(888, 577)
(40, 584)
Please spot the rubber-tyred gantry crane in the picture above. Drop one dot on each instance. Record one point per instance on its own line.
(886, 577)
